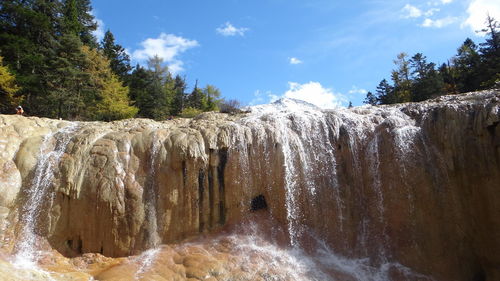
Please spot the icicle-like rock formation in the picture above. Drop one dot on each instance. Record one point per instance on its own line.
(412, 186)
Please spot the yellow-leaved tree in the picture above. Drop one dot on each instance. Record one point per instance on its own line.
(8, 88)
(110, 99)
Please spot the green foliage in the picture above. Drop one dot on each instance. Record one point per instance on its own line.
(470, 69)
(77, 19)
(154, 103)
(8, 88)
(213, 98)
(110, 100)
(190, 112)
(401, 79)
(197, 99)
(28, 42)
(427, 83)
(67, 82)
(370, 99)
(179, 95)
(119, 59)
(49, 48)
(490, 51)
(385, 93)
(466, 68)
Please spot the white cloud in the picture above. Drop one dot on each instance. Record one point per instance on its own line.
(478, 11)
(99, 32)
(439, 2)
(411, 11)
(438, 23)
(230, 30)
(295, 61)
(431, 12)
(357, 91)
(315, 93)
(311, 92)
(166, 46)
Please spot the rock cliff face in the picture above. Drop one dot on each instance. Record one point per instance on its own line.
(414, 184)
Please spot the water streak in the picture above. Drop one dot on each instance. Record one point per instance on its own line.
(39, 192)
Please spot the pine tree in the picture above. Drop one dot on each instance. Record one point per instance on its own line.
(169, 89)
(68, 84)
(490, 54)
(370, 99)
(385, 93)
(78, 19)
(149, 91)
(467, 64)
(119, 59)
(109, 99)
(401, 79)
(179, 100)
(213, 98)
(28, 40)
(427, 83)
(197, 99)
(138, 81)
(447, 73)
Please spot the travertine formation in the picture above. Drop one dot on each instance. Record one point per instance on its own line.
(417, 185)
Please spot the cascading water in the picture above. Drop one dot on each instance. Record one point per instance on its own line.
(285, 192)
(306, 137)
(39, 192)
(153, 239)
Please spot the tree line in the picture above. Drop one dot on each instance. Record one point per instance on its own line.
(415, 79)
(52, 64)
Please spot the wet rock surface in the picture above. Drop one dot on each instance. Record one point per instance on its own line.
(392, 189)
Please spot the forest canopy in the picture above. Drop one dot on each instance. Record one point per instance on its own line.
(415, 79)
(52, 64)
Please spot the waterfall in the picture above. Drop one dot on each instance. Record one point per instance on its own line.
(39, 194)
(308, 138)
(286, 191)
(153, 239)
(150, 195)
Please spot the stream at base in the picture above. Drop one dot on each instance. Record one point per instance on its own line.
(245, 252)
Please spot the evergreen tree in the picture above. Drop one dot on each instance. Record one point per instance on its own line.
(490, 54)
(467, 65)
(152, 98)
(119, 59)
(68, 85)
(28, 40)
(427, 83)
(370, 99)
(138, 82)
(385, 93)
(213, 98)
(447, 73)
(109, 99)
(8, 88)
(401, 79)
(197, 99)
(78, 19)
(169, 89)
(178, 102)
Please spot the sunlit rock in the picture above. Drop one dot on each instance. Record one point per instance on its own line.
(285, 191)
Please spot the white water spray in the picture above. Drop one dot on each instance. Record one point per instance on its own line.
(39, 192)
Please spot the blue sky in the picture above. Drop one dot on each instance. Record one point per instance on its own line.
(322, 51)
